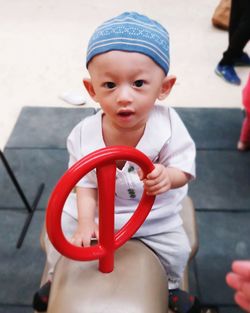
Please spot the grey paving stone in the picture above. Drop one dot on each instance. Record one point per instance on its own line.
(20, 269)
(31, 167)
(45, 127)
(193, 280)
(223, 180)
(230, 309)
(15, 309)
(213, 128)
(223, 237)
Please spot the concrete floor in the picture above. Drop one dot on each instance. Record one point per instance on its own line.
(43, 46)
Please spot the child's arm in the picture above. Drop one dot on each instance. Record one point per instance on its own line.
(162, 178)
(87, 228)
(239, 279)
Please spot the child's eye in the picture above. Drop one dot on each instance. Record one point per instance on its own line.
(138, 83)
(109, 85)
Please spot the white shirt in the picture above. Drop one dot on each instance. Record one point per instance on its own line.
(166, 141)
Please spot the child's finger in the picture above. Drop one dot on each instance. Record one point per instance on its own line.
(155, 173)
(140, 173)
(76, 241)
(152, 185)
(242, 268)
(86, 242)
(243, 302)
(240, 284)
(233, 280)
(86, 238)
(159, 188)
(97, 233)
(152, 182)
(245, 288)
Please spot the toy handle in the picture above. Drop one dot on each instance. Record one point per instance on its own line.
(104, 161)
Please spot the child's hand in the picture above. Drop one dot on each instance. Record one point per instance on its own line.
(84, 232)
(156, 182)
(239, 279)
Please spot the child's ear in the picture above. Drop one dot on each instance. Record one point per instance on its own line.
(167, 84)
(90, 89)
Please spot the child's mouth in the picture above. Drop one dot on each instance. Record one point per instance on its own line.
(125, 113)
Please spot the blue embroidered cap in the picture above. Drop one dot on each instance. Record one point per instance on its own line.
(131, 32)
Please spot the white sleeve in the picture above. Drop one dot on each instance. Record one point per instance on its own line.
(75, 150)
(73, 145)
(179, 151)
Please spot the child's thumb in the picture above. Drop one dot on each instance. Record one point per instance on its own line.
(140, 173)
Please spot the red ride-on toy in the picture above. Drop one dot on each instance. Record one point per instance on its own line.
(130, 280)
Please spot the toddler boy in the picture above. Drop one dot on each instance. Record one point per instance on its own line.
(128, 63)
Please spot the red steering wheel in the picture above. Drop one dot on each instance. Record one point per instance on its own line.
(104, 161)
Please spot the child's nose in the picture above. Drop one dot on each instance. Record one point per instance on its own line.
(124, 95)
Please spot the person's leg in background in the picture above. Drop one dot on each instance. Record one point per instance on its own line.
(239, 34)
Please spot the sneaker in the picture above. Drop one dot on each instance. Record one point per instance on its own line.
(228, 73)
(41, 298)
(244, 60)
(180, 301)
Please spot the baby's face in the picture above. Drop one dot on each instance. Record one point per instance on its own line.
(126, 85)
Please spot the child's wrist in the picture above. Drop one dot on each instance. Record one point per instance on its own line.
(169, 177)
(85, 220)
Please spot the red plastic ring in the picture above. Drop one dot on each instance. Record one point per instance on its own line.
(104, 161)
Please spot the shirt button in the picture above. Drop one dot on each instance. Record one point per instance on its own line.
(131, 193)
(131, 168)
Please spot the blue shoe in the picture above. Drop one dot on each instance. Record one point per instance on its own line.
(228, 73)
(244, 60)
